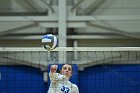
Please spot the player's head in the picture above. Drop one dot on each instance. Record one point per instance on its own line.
(66, 70)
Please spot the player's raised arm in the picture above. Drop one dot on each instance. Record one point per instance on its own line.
(54, 76)
(53, 68)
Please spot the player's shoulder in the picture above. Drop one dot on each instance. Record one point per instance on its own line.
(75, 88)
(74, 85)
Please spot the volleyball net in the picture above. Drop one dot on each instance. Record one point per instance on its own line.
(83, 56)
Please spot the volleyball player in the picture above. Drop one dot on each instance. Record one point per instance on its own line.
(60, 81)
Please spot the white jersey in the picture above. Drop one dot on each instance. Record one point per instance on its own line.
(61, 84)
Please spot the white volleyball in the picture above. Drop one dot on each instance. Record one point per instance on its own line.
(49, 41)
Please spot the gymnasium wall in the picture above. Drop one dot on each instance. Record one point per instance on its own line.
(110, 79)
(97, 79)
(21, 79)
(25, 79)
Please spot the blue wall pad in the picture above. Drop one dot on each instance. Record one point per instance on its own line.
(21, 79)
(96, 79)
(110, 79)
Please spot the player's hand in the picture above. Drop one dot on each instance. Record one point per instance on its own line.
(53, 68)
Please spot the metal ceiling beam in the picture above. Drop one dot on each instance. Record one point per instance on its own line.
(94, 37)
(74, 7)
(30, 4)
(69, 24)
(96, 18)
(38, 37)
(34, 4)
(47, 5)
(17, 29)
(93, 6)
(42, 4)
(62, 29)
(115, 30)
(24, 3)
(27, 18)
(69, 18)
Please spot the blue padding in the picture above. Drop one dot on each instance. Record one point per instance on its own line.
(97, 79)
(21, 79)
(110, 79)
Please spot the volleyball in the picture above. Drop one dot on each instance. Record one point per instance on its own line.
(49, 41)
